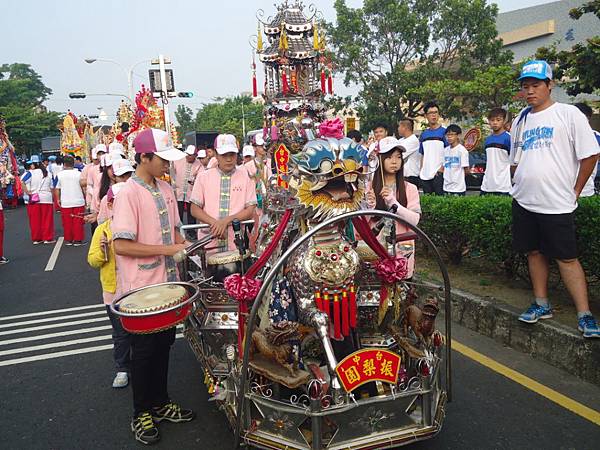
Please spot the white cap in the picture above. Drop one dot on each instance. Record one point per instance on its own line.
(107, 159)
(248, 150)
(226, 143)
(258, 139)
(190, 150)
(153, 140)
(116, 148)
(388, 143)
(201, 153)
(98, 148)
(121, 167)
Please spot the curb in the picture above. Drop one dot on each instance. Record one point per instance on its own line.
(549, 341)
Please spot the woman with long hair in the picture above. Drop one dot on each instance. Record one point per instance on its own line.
(389, 192)
(38, 185)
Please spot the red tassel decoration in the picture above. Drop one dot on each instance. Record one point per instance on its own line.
(345, 314)
(323, 81)
(326, 303)
(319, 300)
(353, 312)
(330, 83)
(284, 83)
(254, 87)
(336, 317)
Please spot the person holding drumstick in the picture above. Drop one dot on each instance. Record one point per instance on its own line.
(145, 238)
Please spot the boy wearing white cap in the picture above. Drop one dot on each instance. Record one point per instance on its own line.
(235, 198)
(183, 176)
(145, 230)
(248, 153)
(556, 152)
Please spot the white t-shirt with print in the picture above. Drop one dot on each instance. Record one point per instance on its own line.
(455, 160)
(412, 157)
(553, 141)
(71, 195)
(497, 169)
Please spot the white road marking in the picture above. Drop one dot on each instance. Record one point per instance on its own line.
(11, 362)
(35, 348)
(53, 335)
(54, 255)
(52, 311)
(55, 325)
(51, 319)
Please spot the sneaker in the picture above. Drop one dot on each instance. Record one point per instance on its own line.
(37, 242)
(536, 312)
(588, 326)
(144, 429)
(69, 243)
(50, 242)
(172, 412)
(121, 380)
(3, 260)
(79, 243)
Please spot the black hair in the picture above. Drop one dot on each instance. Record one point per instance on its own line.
(453, 129)
(585, 109)
(410, 124)
(497, 112)
(42, 168)
(68, 161)
(378, 181)
(138, 157)
(355, 135)
(380, 125)
(60, 159)
(105, 183)
(430, 105)
(78, 158)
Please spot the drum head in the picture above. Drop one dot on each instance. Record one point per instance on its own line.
(228, 257)
(154, 298)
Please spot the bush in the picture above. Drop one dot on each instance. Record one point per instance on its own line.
(474, 225)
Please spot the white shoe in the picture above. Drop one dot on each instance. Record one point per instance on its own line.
(121, 380)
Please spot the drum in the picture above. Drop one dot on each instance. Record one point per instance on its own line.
(155, 308)
(365, 252)
(220, 265)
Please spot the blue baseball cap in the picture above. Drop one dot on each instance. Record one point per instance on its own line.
(52, 158)
(536, 68)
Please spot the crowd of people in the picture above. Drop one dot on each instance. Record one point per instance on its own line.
(135, 215)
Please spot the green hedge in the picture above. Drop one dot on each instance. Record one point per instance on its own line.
(481, 226)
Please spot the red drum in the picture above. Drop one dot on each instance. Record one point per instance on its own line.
(155, 308)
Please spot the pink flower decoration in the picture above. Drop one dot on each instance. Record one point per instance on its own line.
(332, 128)
(241, 287)
(392, 270)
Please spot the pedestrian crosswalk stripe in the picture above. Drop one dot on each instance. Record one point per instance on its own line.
(51, 311)
(52, 345)
(54, 325)
(52, 319)
(39, 337)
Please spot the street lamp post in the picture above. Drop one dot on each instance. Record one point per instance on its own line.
(128, 72)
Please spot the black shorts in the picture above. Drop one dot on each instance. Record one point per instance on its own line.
(553, 235)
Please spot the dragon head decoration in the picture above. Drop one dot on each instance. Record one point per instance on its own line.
(329, 173)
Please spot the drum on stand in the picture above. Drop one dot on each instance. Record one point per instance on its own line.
(220, 265)
(155, 308)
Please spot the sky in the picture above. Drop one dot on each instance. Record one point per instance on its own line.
(207, 42)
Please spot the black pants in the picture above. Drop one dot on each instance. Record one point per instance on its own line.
(121, 343)
(435, 185)
(185, 208)
(150, 369)
(414, 180)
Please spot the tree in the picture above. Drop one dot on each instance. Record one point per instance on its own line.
(392, 48)
(185, 119)
(226, 116)
(22, 93)
(579, 67)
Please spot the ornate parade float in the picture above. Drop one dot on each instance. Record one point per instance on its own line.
(314, 335)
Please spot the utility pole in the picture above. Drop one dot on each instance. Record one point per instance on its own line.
(243, 122)
(163, 84)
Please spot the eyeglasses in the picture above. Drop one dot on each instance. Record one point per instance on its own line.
(432, 113)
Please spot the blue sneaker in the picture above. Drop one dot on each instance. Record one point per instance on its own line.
(536, 312)
(588, 326)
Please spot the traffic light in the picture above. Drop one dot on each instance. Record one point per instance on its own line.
(77, 95)
(185, 94)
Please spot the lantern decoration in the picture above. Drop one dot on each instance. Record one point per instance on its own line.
(259, 41)
(330, 83)
(323, 81)
(254, 86)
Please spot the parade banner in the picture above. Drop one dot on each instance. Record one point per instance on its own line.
(282, 158)
(368, 365)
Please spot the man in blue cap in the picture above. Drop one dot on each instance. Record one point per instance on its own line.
(555, 152)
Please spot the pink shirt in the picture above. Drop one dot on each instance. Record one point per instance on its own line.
(212, 162)
(221, 195)
(184, 175)
(93, 182)
(147, 215)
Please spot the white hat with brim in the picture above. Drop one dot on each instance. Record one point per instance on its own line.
(201, 153)
(190, 150)
(248, 150)
(116, 148)
(388, 143)
(152, 140)
(121, 167)
(258, 140)
(226, 143)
